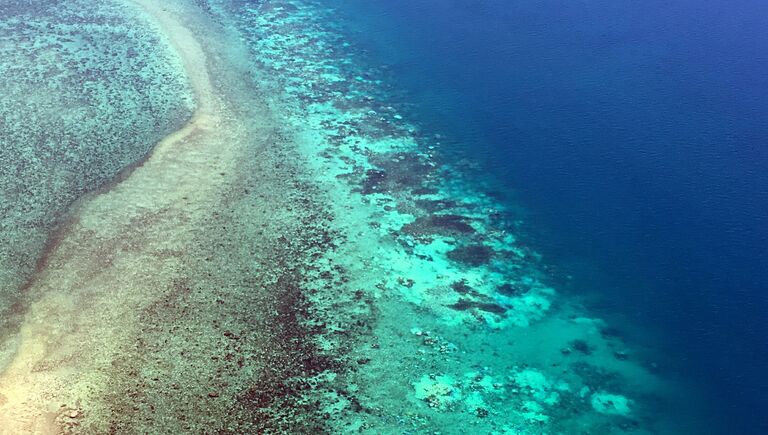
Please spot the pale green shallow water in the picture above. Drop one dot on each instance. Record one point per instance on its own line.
(332, 274)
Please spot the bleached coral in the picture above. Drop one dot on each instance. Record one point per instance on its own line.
(438, 391)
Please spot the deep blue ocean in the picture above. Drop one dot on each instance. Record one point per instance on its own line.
(636, 135)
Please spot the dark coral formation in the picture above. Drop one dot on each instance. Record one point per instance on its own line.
(395, 172)
(472, 255)
(444, 225)
(435, 205)
(466, 304)
(581, 346)
(510, 289)
(462, 288)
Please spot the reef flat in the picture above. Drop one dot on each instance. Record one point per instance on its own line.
(85, 92)
(298, 257)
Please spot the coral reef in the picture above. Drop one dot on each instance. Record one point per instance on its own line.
(302, 256)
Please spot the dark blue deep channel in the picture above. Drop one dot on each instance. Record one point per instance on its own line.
(636, 133)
